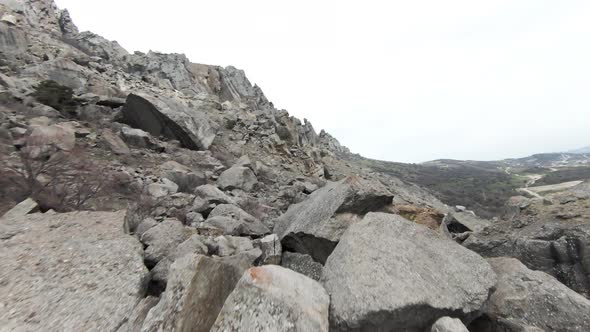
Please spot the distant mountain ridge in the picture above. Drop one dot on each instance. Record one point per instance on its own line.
(583, 150)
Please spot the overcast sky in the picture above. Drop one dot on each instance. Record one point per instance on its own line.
(403, 80)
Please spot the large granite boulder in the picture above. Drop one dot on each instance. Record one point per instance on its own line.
(237, 177)
(235, 221)
(171, 119)
(554, 247)
(315, 225)
(197, 288)
(524, 298)
(390, 274)
(68, 272)
(274, 299)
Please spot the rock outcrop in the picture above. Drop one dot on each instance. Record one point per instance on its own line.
(52, 265)
(170, 119)
(315, 225)
(532, 299)
(390, 274)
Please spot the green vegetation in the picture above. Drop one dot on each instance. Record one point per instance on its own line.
(478, 186)
(57, 96)
(565, 175)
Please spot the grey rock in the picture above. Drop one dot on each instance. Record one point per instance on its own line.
(554, 247)
(315, 225)
(145, 226)
(448, 324)
(138, 315)
(23, 208)
(270, 246)
(196, 291)
(212, 195)
(237, 178)
(410, 277)
(159, 273)
(186, 179)
(171, 119)
(163, 187)
(114, 143)
(54, 264)
(527, 298)
(232, 245)
(303, 264)
(243, 223)
(277, 299)
(162, 240)
(139, 138)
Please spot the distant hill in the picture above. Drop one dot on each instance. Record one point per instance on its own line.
(585, 149)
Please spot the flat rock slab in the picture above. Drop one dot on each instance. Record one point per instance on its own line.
(390, 274)
(68, 272)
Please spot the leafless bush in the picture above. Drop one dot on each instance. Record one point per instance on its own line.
(56, 179)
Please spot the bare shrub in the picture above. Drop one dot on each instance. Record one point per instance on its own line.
(56, 179)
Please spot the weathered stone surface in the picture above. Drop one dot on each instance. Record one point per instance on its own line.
(212, 195)
(139, 138)
(277, 299)
(163, 187)
(237, 178)
(23, 208)
(303, 264)
(388, 273)
(137, 316)
(69, 272)
(557, 248)
(448, 324)
(114, 143)
(186, 179)
(159, 273)
(196, 291)
(162, 239)
(523, 297)
(59, 136)
(315, 225)
(171, 119)
(235, 221)
(270, 246)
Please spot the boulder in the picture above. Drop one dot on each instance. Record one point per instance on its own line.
(163, 187)
(186, 179)
(525, 298)
(137, 316)
(162, 239)
(114, 143)
(69, 272)
(315, 225)
(389, 274)
(235, 221)
(237, 177)
(212, 195)
(274, 299)
(554, 247)
(58, 136)
(197, 288)
(159, 273)
(171, 119)
(270, 246)
(23, 208)
(140, 139)
(448, 324)
(303, 264)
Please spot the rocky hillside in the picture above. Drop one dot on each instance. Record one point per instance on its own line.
(143, 192)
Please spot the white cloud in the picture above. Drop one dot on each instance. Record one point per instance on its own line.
(394, 80)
